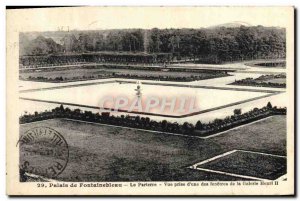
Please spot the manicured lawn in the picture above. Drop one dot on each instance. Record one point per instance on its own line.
(88, 73)
(245, 163)
(278, 80)
(103, 153)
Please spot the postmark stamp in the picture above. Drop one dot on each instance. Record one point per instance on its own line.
(43, 152)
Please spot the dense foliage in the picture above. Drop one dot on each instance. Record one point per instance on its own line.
(212, 45)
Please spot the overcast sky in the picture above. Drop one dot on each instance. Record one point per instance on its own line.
(91, 18)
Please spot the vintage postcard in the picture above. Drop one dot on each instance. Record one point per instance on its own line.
(150, 101)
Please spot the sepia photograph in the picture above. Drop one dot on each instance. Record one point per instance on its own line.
(150, 101)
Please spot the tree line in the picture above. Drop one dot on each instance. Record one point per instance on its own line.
(213, 45)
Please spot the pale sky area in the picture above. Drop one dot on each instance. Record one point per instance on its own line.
(93, 18)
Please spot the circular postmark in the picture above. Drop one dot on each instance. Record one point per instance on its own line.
(43, 152)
